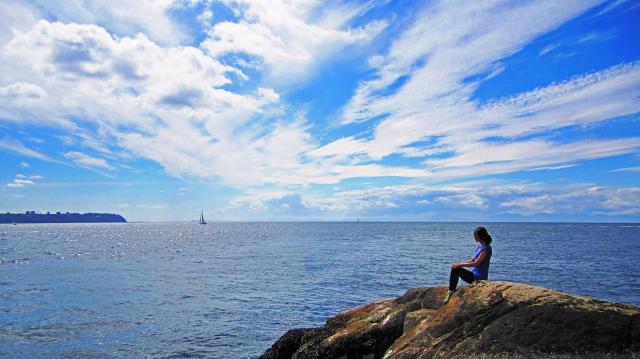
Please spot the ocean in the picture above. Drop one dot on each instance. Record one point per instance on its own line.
(229, 290)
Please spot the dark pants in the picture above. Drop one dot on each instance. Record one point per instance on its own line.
(456, 273)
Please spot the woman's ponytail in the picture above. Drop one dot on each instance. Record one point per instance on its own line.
(482, 234)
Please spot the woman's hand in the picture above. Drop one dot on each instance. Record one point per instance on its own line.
(455, 265)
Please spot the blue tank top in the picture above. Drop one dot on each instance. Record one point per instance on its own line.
(481, 272)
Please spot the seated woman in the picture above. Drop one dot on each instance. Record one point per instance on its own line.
(479, 263)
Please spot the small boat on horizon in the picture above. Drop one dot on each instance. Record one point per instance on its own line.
(202, 218)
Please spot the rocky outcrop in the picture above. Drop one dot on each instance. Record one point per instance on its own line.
(485, 319)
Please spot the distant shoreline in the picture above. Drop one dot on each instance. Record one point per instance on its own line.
(377, 221)
(355, 222)
(59, 217)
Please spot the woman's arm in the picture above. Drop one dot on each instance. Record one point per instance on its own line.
(475, 263)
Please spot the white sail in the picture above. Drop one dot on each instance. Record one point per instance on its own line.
(202, 218)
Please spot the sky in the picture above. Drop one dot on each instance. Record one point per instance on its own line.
(322, 110)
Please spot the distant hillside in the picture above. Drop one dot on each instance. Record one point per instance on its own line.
(59, 217)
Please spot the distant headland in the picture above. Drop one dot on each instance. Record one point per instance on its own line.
(60, 217)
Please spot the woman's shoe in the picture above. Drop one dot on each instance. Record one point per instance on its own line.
(448, 296)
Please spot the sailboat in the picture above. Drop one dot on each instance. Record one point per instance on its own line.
(202, 218)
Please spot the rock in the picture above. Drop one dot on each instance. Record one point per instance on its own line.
(485, 319)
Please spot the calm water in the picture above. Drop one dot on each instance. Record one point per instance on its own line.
(228, 290)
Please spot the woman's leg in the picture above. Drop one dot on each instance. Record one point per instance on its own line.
(456, 273)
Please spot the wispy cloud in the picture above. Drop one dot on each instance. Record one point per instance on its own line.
(627, 169)
(22, 90)
(21, 181)
(432, 112)
(547, 49)
(219, 111)
(289, 38)
(123, 18)
(168, 105)
(191, 137)
(612, 201)
(457, 42)
(13, 145)
(84, 160)
(596, 37)
(526, 199)
(142, 205)
(612, 5)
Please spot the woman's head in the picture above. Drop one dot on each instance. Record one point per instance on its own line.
(481, 235)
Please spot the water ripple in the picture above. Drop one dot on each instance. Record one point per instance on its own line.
(229, 290)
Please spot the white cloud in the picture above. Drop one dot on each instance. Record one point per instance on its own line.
(423, 93)
(21, 181)
(627, 169)
(547, 49)
(595, 36)
(470, 200)
(124, 18)
(527, 199)
(611, 201)
(15, 16)
(262, 201)
(142, 205)
(24, 165)
(22, 90)
(448, 43)
(122, 95)
(289, 36)
(400, 196)
(165, 104)
(84, 160)
(612, 5)
(484, 158)
(460, 139)
(558, 167)
(205, 18)
(13, 145)
(168, 105)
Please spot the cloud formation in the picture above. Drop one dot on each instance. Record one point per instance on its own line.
(21, 181)
(22, 90)
(167, 104)
(616, 201)
(123, 18)
(84, 160)
(117, 82)
(422, 105)
(465, 202)
(13, 145)
(134, 91)
(289, 37)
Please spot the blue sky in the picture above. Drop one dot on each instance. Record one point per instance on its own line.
(322, 110)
